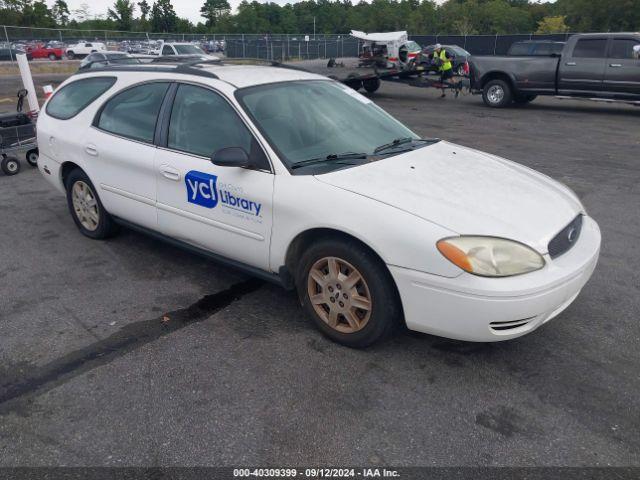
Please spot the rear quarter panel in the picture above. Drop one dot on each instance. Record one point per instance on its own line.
(532, 74)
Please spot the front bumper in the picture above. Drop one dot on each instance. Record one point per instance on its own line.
(480, 309)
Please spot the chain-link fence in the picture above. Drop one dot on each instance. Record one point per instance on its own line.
(271, 47)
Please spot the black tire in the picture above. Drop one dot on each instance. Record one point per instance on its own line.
(10, 166)
(52, 57)
(356, 84)
(385, 308)
(105, 227)
(371, 84)
(71, 55)
(524, 99)
(497, 94)
(32, 157)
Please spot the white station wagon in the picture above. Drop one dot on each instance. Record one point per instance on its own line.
(302, 181)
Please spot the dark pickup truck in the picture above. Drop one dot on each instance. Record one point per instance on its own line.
(599, 66)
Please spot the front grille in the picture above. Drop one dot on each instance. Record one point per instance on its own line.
(566, 238)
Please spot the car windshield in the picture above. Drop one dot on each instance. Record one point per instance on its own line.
(320, 119)
(189, 50)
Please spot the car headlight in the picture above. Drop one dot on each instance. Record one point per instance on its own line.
(490, 256)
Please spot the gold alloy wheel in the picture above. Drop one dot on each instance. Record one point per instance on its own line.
(339, 294)
(85, 205)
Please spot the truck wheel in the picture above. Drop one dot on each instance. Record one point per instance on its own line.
(71, 55)
(32, 157)
(497, 94)
(348, 292)
(10, 165)
(355, 84)
(86, 208)
(524, 99)
(371, 84)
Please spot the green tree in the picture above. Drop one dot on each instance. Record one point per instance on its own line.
(552, 25)
(214, 10)
(145, 9)
(60, 12)
(122, 14)
(163, 17)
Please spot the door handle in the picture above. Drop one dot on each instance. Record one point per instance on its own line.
(170, 172)
(91, 150)
(570, 64)
(615, 65)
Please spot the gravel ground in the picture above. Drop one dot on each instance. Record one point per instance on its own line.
(238, 376)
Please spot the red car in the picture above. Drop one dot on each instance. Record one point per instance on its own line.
(42, 51)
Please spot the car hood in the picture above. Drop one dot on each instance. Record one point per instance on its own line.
(467, 192)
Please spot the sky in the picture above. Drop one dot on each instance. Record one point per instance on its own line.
(184, 8)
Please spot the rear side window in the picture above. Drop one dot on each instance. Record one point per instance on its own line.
(590, 48)
(133, 113)
(519, 49)
(623, 48)
(75, 97)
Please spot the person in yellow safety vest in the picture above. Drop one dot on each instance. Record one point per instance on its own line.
(444, 59)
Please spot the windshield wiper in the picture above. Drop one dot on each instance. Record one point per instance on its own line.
(402, 141)
(330, 158)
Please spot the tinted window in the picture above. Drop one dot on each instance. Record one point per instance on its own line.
(519, 49)
(167, 50)
(623, 48)
(134, 112)
(590, 48)
(74, 97)
(202, 122)
(543, 49)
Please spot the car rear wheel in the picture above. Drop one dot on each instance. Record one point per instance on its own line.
(52, 57)
(71, 55)
(348, 292)
(86, 208)
(497, 94)
(10, 166)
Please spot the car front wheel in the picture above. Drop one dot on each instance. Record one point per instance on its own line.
(52, 57)
(497, 94)
(71, 55)
(86, 208)
(348, 292)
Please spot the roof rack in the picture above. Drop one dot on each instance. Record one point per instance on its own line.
(186, 69)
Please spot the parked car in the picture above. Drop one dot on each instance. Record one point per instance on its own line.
(103, 59)
(530, 48)
(45, 51)
(82, 49)
(10, 54)
(245, 164)
(460, 57)
(594, 65)
(387, 50)
(184, 49)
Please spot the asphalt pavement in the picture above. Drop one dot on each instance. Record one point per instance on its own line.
(129, 352)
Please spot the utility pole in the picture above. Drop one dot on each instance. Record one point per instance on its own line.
(314, 27)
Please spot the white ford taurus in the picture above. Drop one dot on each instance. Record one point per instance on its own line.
(302, 181)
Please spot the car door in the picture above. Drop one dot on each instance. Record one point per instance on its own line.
(119, 152)
(582, 71)
(622, 71)
(226, 210)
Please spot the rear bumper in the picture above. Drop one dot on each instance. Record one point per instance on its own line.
(481, 309)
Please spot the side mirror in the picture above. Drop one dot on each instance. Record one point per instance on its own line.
(231, 157)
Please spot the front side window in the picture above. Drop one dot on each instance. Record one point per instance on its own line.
(202, 122)
(189, 50)
(75, 97)
(133, 113)
(590, 48)
(305, 120)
